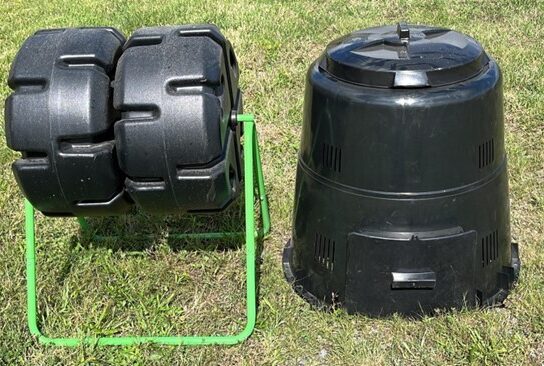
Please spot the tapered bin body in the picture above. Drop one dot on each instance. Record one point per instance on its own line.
(401, 198)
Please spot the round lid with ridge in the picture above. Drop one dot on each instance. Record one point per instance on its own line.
(404, 56)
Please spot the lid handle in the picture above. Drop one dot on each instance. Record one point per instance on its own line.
(403, 31)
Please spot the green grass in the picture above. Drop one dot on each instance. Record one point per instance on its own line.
(161, 287)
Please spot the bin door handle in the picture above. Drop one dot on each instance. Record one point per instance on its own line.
(413, 280)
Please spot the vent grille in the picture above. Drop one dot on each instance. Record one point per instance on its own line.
(332, 157)
(324, 251)
(486, 153)
(490, 248)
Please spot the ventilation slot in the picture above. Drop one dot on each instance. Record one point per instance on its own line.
(486, 153)
(332, 157)
(324, 251)
(83, 61)
(34, 155)
(143, 40)
(490, 248)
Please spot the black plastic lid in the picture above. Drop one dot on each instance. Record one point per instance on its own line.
(404, 56)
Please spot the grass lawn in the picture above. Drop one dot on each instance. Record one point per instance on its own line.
(162, 287)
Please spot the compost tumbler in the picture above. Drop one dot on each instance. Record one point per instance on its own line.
(401, 198)
(105, 124)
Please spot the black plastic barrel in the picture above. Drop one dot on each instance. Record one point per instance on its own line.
(401, 201)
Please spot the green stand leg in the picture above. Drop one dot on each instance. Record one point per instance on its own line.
(252, 170)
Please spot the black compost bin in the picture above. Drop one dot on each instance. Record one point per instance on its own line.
(401, 201)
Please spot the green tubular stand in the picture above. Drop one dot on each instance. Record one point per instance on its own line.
(252, 171)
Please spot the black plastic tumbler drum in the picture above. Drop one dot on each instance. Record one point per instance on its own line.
(401, 201)
(103, 123)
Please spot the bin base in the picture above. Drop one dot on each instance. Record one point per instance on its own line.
(494, 300)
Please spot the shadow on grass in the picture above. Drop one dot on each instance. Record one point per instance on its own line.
(143, 232)
(140, 232)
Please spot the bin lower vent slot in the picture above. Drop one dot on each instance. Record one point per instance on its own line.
(324, 251)
(490, 248)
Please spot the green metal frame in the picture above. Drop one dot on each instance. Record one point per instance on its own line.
(252, 170)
